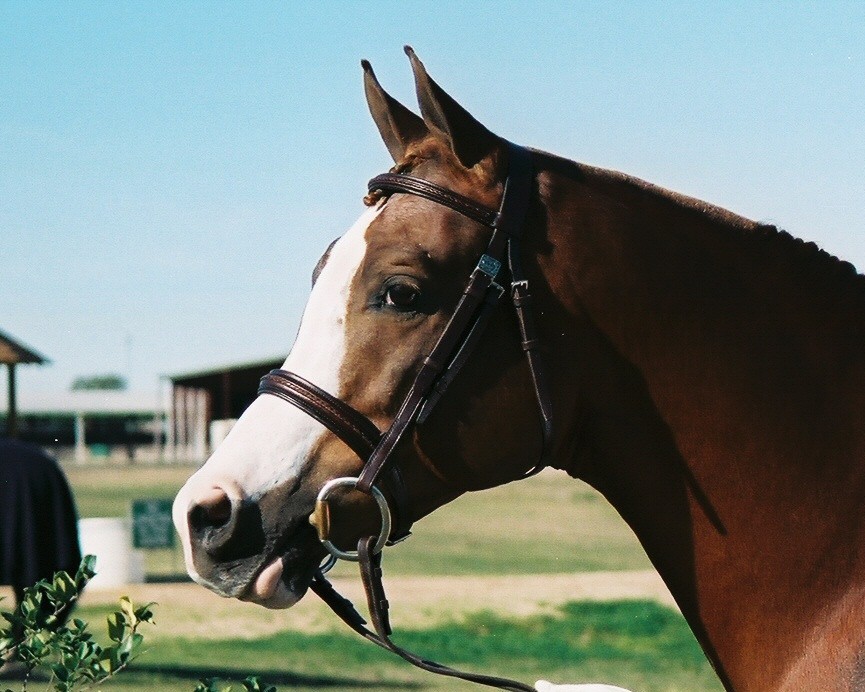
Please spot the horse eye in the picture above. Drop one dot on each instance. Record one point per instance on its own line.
(401, 296)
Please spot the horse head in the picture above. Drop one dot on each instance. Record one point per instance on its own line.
(382, 296)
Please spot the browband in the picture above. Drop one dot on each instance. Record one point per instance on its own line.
(400, 182)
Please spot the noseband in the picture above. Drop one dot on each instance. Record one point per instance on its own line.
(453, 348)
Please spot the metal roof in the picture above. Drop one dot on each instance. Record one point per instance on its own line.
(231, 387)
(197, 376)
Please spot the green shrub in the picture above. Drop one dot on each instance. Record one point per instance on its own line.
(38, 636)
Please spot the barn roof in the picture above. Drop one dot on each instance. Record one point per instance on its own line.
(12, 351)
(231, 387)
(209, 376)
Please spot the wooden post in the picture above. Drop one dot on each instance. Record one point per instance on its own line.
(189, 401)
(12, 416)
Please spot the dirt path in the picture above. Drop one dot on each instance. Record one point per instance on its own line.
(192, 611)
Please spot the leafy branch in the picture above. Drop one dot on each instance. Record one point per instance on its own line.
(37, 634)
(251, 684)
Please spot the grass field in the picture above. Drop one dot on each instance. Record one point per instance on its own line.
(548, 525)
(637, 644)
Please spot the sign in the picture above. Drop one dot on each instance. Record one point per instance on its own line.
(151, 524)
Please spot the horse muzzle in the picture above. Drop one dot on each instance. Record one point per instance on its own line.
(230, 549)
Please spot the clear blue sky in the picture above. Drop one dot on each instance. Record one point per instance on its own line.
(170, 172)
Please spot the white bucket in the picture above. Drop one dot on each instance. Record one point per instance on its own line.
(110, 540)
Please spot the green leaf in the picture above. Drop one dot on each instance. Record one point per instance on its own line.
(64, 587)
(145, 613)
(60, 672)
(116, 626)
(69, 651)
(129, 644)
(105, 661)
(45, 637)
(128, 611)
(86, 571)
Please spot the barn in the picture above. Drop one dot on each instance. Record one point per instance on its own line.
(204, 405)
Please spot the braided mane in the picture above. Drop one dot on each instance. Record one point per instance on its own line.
(811, 259)
(806, 257)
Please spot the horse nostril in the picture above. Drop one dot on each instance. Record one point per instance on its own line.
(213, 510)
(222, 528)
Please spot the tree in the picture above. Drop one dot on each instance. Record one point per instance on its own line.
(110, 382)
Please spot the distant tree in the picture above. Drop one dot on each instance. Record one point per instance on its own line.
(104, 382)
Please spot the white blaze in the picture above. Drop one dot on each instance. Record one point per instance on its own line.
(272, 440)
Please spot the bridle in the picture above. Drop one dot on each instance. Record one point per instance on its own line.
(453, 348)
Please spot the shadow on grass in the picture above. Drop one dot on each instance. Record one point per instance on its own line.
(18, 672)
(271, 677)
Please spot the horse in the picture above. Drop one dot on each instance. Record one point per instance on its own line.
(703, 371)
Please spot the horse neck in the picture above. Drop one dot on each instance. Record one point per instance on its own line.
(719, 406)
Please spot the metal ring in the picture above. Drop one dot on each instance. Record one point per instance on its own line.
(383, 508)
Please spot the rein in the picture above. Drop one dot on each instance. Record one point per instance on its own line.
(453, 348)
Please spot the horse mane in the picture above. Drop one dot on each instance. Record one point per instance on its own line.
(806, 258)
(810, 259)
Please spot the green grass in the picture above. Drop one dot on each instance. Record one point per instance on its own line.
(108, 490)
(636, 644)
(546, 524)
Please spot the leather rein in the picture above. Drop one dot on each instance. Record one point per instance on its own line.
(455, 344)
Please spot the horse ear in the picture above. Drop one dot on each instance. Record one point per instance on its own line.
(397, 125)
(468, 139)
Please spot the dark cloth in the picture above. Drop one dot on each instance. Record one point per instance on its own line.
(38, 521)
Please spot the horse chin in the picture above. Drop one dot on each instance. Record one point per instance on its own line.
(278, 586)
(285, 579)
(283, 594)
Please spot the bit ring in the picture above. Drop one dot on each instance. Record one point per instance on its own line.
(322, 523)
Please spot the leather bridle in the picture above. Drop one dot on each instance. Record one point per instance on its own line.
(453, 348)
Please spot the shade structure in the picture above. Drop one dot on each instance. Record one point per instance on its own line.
(13, 352)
